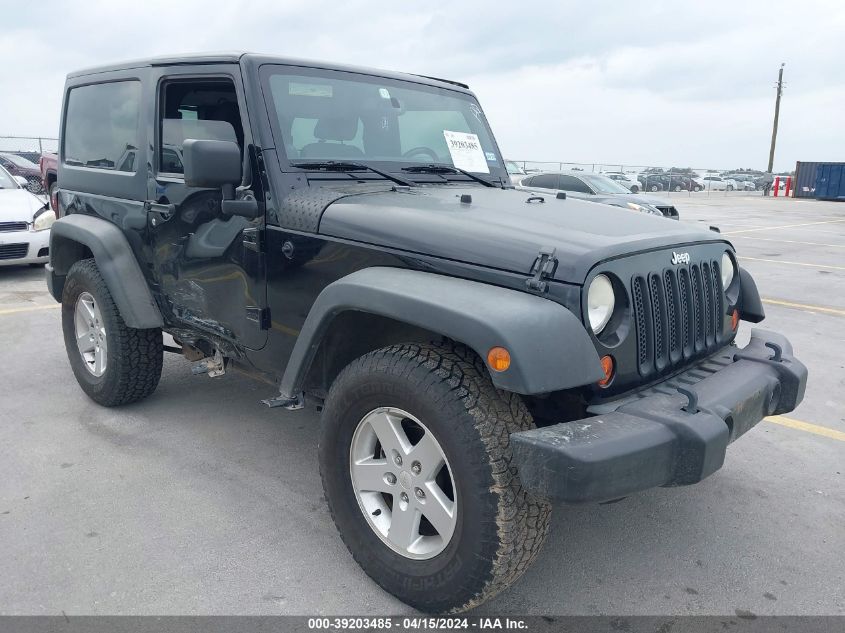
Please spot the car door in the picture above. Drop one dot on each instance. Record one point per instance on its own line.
(209, 266)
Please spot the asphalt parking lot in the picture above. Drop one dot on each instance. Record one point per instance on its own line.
(202, 500)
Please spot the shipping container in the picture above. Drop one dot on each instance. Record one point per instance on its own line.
(830, 181)
(805, 179)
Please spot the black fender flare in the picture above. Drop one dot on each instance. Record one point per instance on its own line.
(115, 259)
(750, 305)
(549, 346)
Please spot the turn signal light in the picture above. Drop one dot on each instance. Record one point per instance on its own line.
(735, 319)
(499, 359)
(607, 366)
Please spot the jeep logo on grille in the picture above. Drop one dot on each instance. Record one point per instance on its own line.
(680, 258)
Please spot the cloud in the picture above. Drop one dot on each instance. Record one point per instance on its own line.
(650, 83)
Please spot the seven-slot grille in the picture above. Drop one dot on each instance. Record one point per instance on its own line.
(13, 251)
(678, 315)
(8, 227)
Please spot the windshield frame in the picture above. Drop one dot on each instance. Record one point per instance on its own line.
(497, 170)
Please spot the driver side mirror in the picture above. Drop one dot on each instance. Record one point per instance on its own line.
(211, 164)
(217, 164)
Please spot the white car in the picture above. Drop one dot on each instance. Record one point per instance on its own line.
(515, 172)
(25, 222)
(743, 183)
(717, 183)
(626, 180)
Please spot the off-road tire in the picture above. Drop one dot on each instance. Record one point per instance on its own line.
(500, 527)
(134, 356)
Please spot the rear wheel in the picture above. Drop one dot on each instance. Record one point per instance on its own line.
(113, 363)
(415, 460)
(634, 189)
(654, 188)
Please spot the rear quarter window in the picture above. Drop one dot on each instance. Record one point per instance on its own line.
(101, 126)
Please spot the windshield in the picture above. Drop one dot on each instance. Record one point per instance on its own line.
(20, 161)
(332, 115)
(6, 181)
(602, 184)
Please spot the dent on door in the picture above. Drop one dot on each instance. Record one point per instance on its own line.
(205, 272)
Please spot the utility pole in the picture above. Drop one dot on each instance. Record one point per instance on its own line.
(777, 113)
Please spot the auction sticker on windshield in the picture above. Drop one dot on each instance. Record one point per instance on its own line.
(465, 150)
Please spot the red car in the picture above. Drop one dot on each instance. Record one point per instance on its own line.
(48, 165)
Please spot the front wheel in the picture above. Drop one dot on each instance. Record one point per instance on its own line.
(654, 188)
(730, 187)
(635, 189)
(416, 465)
(113, 363)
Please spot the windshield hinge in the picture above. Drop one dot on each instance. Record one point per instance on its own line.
(543, 268)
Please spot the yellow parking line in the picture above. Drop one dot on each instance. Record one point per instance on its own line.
(805, 306)
(773, 239)
(782, 261)
(50, 306)
(782, 226)
(806, 426)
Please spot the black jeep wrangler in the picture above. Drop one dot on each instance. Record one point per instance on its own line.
(477, 352)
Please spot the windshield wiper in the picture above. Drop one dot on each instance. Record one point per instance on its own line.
(338, 165)
(439, 168)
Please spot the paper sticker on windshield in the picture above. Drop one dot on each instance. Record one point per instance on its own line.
(465, 150)
(491, 157)
(309, 90)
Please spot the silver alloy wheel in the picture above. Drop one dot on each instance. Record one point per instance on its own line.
(90, 334)
(404, 488)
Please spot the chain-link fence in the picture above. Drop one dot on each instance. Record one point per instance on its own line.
(687, 181)
(20, 156)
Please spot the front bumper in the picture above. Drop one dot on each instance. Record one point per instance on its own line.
(23, 247)
(661, 436)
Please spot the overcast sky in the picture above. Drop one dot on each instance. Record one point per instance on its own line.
(641, 83)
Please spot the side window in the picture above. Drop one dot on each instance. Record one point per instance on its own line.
(571, 183)
(204, 109)
(101, 126)
(545, 181)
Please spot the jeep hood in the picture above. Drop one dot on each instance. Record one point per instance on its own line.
(500, 228)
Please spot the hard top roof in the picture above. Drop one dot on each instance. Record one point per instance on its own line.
(235, 57)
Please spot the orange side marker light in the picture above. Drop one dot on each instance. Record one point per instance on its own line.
(499, 359)
(607, 366)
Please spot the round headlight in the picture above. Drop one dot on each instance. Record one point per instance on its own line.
(44, 220)
(727, 271)
(600, 302)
